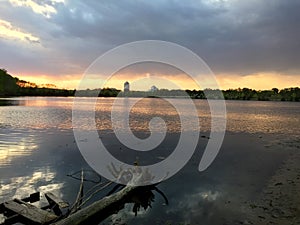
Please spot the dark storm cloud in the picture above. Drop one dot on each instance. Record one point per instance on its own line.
(231, 36)
(262, 37)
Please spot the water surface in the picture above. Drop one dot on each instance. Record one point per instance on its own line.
(38, 151)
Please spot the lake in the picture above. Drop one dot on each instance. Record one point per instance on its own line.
(38, 151)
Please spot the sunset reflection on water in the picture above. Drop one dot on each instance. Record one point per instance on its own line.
(242, 116)
(38, 151)
(10, 148)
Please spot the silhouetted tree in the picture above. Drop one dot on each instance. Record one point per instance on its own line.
(8, 84)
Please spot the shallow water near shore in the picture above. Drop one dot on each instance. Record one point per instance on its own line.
(38, 151)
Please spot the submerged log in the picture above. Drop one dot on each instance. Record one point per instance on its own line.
(100, 210)
(55, 203)
(56, 200)
(30, 212)
(135, 192)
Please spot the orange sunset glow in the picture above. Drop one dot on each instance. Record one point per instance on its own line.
(255, 81)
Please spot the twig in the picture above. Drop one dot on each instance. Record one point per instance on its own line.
(78, 201)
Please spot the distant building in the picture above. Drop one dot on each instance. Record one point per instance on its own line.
(153, 88)
(126, 86)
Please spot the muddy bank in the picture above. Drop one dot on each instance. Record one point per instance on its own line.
(279, 202)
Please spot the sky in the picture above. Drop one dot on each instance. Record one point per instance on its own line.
(246, 43)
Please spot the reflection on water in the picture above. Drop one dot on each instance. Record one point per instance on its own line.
(35, 160)
(196, 204)
(38, 113)
(13, 145)
(242, 116)
(10, 102)
(264, 117)
(38, 151)
(20, 187)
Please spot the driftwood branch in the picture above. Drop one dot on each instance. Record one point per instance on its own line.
(101, 209)
(141, 196)
(78, 200)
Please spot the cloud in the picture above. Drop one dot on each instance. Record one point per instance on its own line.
(233, 37)
(45, 8)
(10, 32)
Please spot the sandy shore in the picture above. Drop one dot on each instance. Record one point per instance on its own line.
(279, 202)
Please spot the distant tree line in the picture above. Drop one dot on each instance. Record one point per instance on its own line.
(104, 92)
(156, 93)
(13, 86)
(286, 94)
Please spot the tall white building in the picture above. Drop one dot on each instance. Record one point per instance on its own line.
(126, 86)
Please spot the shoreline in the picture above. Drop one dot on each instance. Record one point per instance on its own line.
(8, 98)
(279, 202)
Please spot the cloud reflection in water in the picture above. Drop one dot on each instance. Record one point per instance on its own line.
(20, 187)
